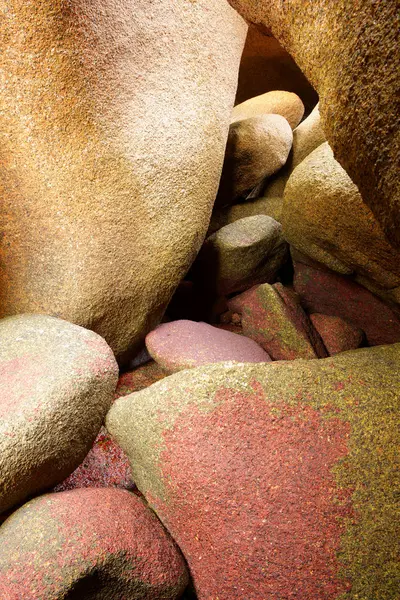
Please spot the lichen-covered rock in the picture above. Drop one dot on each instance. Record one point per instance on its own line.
(114, 120)
(327, 292)
(276, 480)
(257, 148)
(240, 255)
(187, 344)
(272, 316)
(57, 382)
(354, 67)
(266, 66)
(101, 544)
(337, 335)
(278, 102)
(325, 217)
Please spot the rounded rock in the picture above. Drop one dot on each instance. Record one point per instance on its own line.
(57, 382)
(101, 544)
(286, 104)
(187, 344)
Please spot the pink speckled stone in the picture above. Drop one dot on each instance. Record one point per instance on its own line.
(187, 344)
(337, 335)
(88, 543)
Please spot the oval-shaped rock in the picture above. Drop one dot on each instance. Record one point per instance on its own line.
(57, 383)
(88, 543)
(187, 344)
(277, 102)
(276, 480)
(257, 148)
(240, 255)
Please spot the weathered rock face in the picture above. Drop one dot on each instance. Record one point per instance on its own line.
(354, 67)
(100, 544)
(272, 316)
(115, 115)
(186, 344)
(324, 217)
(240, 255)
(257, 148)
(57, 382)
(326, 292)
(286, 470)
(338, 335)
(266, 66)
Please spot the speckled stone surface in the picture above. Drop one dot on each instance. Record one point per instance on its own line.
(185, 344)
(329, 293)
(324, 217)
(106, 464)
(338, 335)
(286, 104)
(256, 148)
(240, 255)
(272, 316)
(277, 480)
(114, 120)
(348, 50)
(101, 544)
(57, 382)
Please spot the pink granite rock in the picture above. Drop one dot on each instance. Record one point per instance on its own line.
(272, 316)
(337, 334)
(327, 292)
(57, 383)
(102, 544)
(186, 344)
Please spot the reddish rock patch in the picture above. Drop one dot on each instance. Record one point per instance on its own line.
(332, 294)
(251, 499)
(337, 334)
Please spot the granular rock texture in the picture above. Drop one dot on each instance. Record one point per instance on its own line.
(338, 335)
(57, 382)
(276, 480)
(257, 148)
(272, 207)
(242, 254)
(324, 217)
(186, 344)
(272, 316)
(114, 119)
(327, 292)
(348, 50)
(278, 102)
(100, 544)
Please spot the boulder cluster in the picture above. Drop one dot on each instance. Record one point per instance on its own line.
(248, 451)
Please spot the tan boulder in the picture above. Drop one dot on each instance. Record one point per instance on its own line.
(325, 218)
(272, 207)
(257, 148)
(266, 66)
(349, 52)
(115, 115)
(278, 102)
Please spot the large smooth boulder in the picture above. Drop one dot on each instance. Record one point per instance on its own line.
(257, 148)
(349, 52)
(186, 344)
(276, 480)
(57, 383)
(115, 115)
(266, 66)
(325, 218)
(97, 544)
